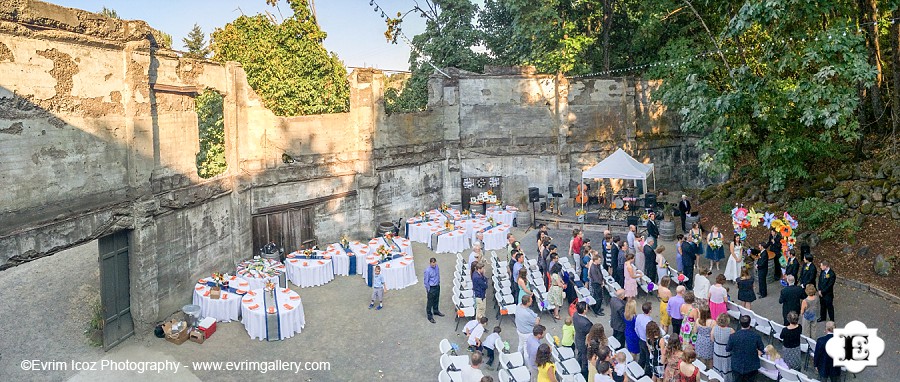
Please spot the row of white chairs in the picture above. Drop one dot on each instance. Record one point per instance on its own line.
(538, 287)
(462, 297)
(505, 301)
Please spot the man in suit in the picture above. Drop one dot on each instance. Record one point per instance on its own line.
(745, 346)
(650, 259)
(793, 267)
(808, 272)
(653, 229)
(614, 256)
(822, 361)
(620, 267)
(790, 299)
(826, 291)
(762, 270)
(688, 258)
(605, 248)
(582, 327)
(774, 245)
(685, 208)
(617, 316)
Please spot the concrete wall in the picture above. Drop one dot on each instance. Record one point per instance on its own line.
(88, 147)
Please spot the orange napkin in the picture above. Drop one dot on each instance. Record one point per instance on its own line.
(327, 257)
(272, 309)
(295, 298)
(288, 307)
(402, 263)
(224, 296)
(199, 287)
(241, 291)
(419, 225)
(254, 307)
(244, 284)
(304, 263)
(290, 256)
(356, 242)
(451, 233)
(252, 293)
(286, 290)
(408, 257)
(202, 281)
(405, 245)
(206, 294)
(374, 263)
(248, 300)
(321, 262)
(388, 265)
(294, 260)
(233, 277)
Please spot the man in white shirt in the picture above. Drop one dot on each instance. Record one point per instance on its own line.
(701, 285)
(526, 319)
(640, 327)
(472, 372)
(631, 237)
(475, 255)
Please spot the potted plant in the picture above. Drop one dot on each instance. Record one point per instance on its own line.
(580, 214)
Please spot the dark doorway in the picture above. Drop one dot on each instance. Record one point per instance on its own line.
(291, 229)
(115, 284)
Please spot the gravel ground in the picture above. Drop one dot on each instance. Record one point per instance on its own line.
(394, 344)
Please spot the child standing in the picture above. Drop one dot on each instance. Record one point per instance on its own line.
(378, 288)
(568, 334)
(490, 348)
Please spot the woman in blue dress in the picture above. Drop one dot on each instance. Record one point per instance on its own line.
(632, 342)
(715, 255)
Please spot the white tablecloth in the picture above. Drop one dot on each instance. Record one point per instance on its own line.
(254, 320)
(451, 242)
(495, 238)
(340, 259)
(421, 232)
(305, 272)
(403, 243)
(228, 307)
(438, 216)
(503, 216)
(258, 279)
(398, 273)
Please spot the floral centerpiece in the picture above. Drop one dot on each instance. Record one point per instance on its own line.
(388, 235)
(218, 278)
(491, 222)
(448, 225)
(345, 241)
(383, 253)
(715, 243)
(308, 253)
(645, 216)
(423, 215)
(466, 213)
(444, 207)
(270, 286)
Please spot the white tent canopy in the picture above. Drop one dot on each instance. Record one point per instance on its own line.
(620, 165)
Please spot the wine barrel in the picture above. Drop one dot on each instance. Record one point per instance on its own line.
(383, 228)
(667, 230)
(690, 220)
(456, 206)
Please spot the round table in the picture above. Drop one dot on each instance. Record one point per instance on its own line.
(288, 308)
(450, 242)
(259, 271)
(306, 273)
(398, 273)
(505, 216)
(227, 307)
(339, 258)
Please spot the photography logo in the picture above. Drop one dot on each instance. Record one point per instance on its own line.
(855, 347)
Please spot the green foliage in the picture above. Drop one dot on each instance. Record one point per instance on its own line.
(844, 229)
(195, 44)
(211, 123)
(726, 207)
(94, 331)
(447, 42)
(109, 12)
(286, 62)
(816, 212)
(165, 40)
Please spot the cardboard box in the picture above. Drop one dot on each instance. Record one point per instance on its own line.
(215, 293)
(197, 336)
(176, 338)
(207, 326)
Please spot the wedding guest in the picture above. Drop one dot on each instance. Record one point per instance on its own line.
(432, 281)
(720, 335)
(762, 270)
(378, 288)
(555, 294)
(620, 268)
(582, 327)
(472, 372)
(826, 291)
(631, 276)
(632, 231)
(474, 339)
(774, 245)
(575, 246)
(688, 259)
(479, 288)
(714, 255)
(595, 275)
(745, 347)
(652, 229)
(823, 362)
(793, 266)
(655, 344)
(704, 344)
(605, 248)
(679, 241)
(809, 310)
(617, 315)
(671, 358)
(745, 288)
(604, 372)
(640, 327)
(735, 259)
(674, 309)
(717, 297)
(522, 283)
(596, 337)
(701, 285)
(475, 255)
(791, 298)
(614, 255)
(685, 208)
(517, 266)
(491, 346)
(791, 339)
(650, 260)
(546, 369)
(664, 294)
(532, 348)
(631, 336)
(526, 319)
(567, 337)
(661, 269)
(772, 355)
(687, 372)
(691, 317)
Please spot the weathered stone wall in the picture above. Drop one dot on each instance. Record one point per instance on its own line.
(98, 134)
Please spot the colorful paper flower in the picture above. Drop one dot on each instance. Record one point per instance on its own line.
(790, 220)
(768, 218)
(777, 224)
(786, 231)
(754, 217)
(745, 223)
(680, 278)
(740, 214)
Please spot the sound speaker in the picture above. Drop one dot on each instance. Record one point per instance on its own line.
(633, 220)
(533, 195)
(650, 201)
(550, 190)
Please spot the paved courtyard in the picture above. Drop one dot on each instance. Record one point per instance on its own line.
(43, 317)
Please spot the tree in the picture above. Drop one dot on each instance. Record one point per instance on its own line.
(286, 62)
(196, 44)
(108, 12)
(448, 41)
(211, 125)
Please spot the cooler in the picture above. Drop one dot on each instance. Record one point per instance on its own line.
(208, 326)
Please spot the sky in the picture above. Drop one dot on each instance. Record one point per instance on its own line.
(355, 31)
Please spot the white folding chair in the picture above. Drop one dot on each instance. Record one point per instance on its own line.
(810, 349)
(713, 376)
(444, 346)
(445, 376)
(462, 311)
(613, 343)
(768, 369)
(776, 329)
(634, 371)
(511, 360)
(763, 326)
(699, 365)
(804, 378)
(787, 375)
(748, 312)
(733, 310)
